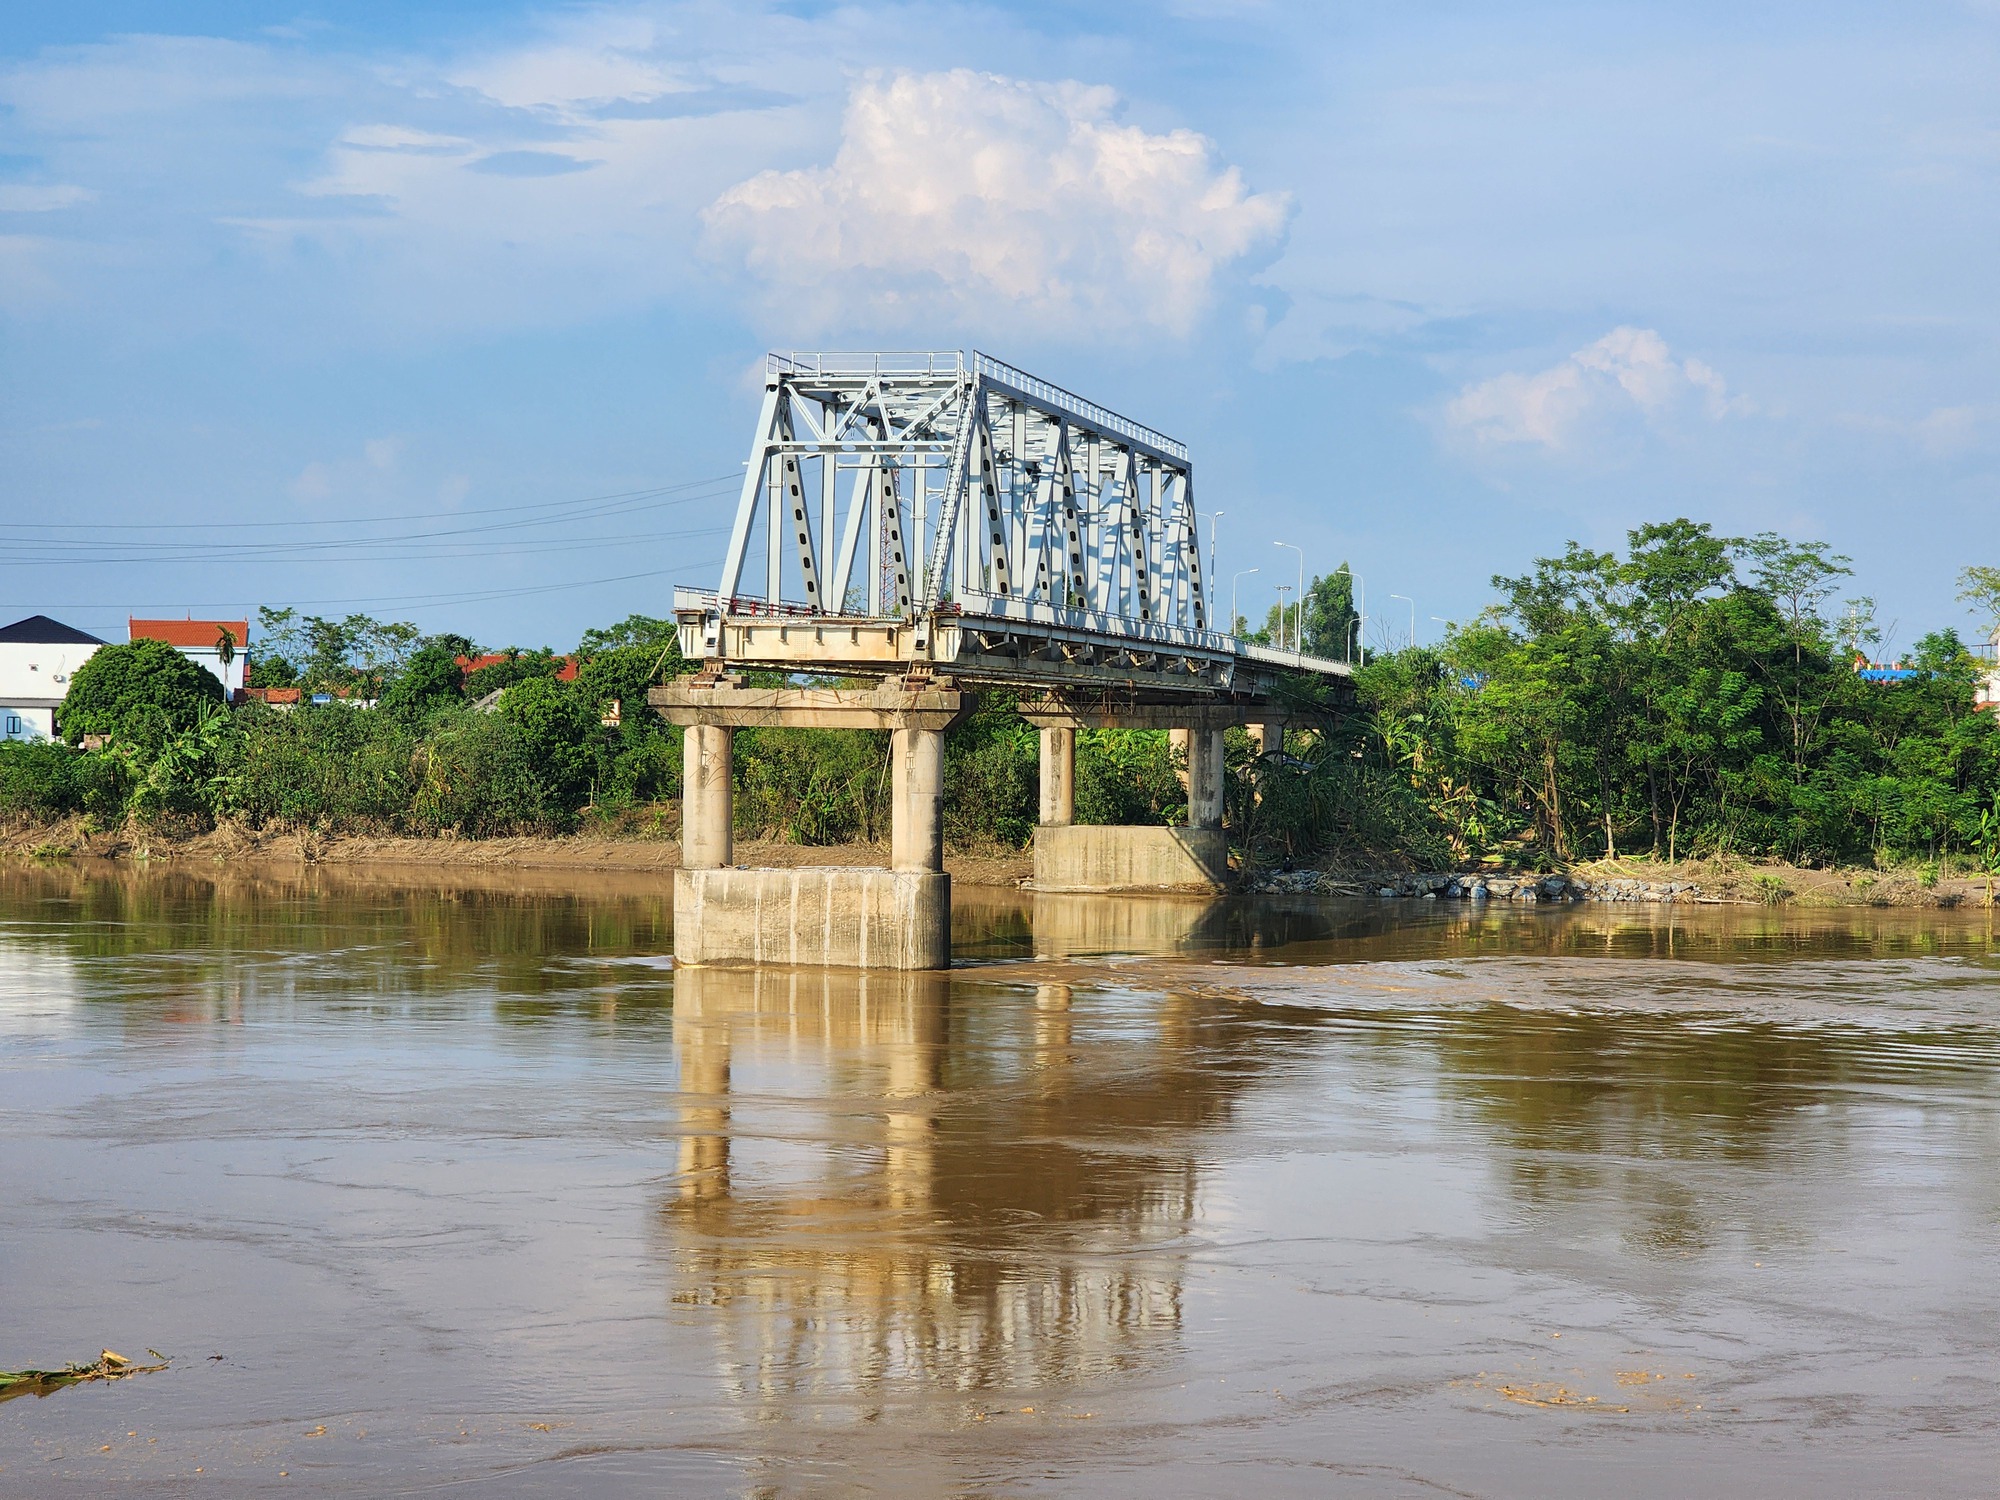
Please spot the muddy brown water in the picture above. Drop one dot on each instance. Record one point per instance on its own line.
(447, 1182)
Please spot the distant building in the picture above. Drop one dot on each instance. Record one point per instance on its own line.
(201, 642)
(467, 665)
(1987, 696)
(37, 658)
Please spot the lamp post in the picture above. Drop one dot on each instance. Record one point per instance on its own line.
(1413, 615)
(1361, 613)
(1217, 516)
(1283, 589)
(1232, 597)
(1298, 624)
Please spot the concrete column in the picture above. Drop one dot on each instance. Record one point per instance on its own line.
(1178, 743)
(707, 810)
(1268, 738)
(1058, 777)
(917, 819)
(1205, 767)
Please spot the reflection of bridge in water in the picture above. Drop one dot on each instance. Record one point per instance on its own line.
(938, 526)
(990, 1206)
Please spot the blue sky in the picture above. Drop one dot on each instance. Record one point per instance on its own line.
(1428, 287)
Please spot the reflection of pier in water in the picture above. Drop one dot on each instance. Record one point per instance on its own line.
(992, 923)
(990, 1207)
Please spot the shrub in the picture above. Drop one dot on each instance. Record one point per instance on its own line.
(1127, 776)
(45, 780)
(140, 694)
(330, 766)
(812, 786)
(476, 777)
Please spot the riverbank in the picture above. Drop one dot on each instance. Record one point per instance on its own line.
(233, 844)
(1722, 882)
(1653, 882)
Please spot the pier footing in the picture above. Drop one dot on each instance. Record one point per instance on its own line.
(1092, 857)
(837, 916)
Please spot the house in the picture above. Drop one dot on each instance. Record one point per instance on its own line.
(1987, 694)
(203, 643)
(37, 657)
(467, 665)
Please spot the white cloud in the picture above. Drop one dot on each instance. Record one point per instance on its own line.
(314, 484)
(382, 453)
(1628, 371)
(33, 198)
(970, 195)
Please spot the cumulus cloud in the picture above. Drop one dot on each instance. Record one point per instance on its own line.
(1628, 371)
(965, 194)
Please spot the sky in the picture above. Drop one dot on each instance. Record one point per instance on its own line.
(454, 312)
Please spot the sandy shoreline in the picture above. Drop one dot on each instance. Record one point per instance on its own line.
(1730, 881)
(231, 844)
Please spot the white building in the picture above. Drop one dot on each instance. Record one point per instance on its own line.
(221, 646)
(1987, 695)
(37, 657)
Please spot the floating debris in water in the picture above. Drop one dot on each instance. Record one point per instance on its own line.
(107, 1366)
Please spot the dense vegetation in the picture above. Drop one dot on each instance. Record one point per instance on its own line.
(1694, 695)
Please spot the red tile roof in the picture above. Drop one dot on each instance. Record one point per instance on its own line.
(467, 665)
(273, 695)
(196, 635)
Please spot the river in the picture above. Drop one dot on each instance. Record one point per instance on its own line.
(432, 1181)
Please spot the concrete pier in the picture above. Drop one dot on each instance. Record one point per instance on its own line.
(1080, 857)
(831, 915)
(708, 835)
(899, 918)
(1096, 857)
(1058, 776)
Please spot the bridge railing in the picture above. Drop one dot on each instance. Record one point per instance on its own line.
(938, 362)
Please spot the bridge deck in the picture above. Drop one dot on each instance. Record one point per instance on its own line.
(1013, 643)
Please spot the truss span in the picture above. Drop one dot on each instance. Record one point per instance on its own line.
(934, 512)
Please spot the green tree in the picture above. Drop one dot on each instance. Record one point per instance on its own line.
(1332, 627)
(357, 653)
(633, 630)
(559, 731)
(430, 679)
(139, 694)
(1979, 587)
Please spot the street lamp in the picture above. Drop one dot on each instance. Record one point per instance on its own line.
(1413, 615)
(1361, 611)
(1232, 597)
(1217, 516)
(1283, 589)
(1298, 624)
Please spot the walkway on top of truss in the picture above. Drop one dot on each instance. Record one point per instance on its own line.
(930, 512)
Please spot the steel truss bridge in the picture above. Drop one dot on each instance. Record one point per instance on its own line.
(938, 515)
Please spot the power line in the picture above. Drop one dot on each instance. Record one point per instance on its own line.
(442, 515)
(47, 550)
(292, 557)
(432, 599)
